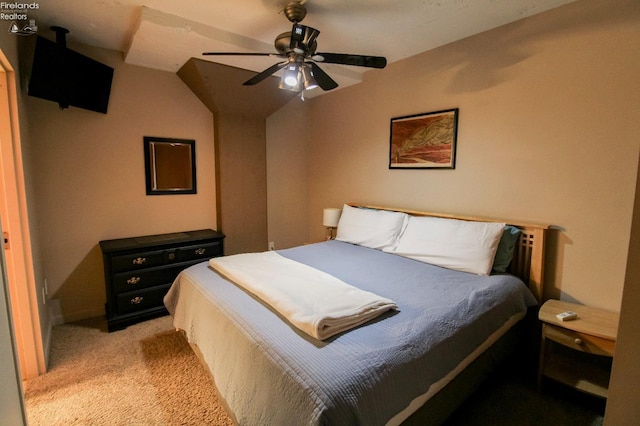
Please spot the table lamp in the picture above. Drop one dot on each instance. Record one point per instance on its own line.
(330, 218)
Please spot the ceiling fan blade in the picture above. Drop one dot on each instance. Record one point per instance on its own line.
(322, 78)
(239, 54)
(264, 74)
(347, 59)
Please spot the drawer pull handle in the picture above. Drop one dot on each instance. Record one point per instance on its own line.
(133, 280)
(200, 251)
(139, 260)
(578, 341)
(172, 256)
(136, 300)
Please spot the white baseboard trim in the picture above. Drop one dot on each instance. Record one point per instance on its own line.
(46, 343)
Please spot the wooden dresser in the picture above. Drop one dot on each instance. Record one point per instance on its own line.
(139, 271)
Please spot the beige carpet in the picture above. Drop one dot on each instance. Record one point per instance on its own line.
(145, 374)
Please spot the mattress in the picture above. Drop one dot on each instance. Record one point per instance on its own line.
(270, 373)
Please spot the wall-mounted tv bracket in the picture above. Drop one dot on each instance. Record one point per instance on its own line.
(61, 40)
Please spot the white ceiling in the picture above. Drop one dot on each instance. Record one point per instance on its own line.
(164, 34)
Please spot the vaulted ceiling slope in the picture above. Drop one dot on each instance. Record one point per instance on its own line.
(217, 88)
(165, 34)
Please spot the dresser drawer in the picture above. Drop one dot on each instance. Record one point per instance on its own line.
(136, 280)
(140, 260)
(200, 251)
(134, 301)
(579, 341)
(139, 270)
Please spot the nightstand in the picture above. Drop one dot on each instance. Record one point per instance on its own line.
(578, 352)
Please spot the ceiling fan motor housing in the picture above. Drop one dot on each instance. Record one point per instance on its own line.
(282, 42)
(307, 43)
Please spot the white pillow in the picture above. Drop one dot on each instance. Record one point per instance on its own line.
(378, 229)
(455, 244)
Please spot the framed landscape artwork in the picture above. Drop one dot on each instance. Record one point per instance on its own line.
(424, 141)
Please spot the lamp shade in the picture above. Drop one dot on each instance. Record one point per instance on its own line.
(331, 216)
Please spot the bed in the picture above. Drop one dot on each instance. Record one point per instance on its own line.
(411, 364)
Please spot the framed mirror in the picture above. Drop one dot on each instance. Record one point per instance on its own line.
(170, 165)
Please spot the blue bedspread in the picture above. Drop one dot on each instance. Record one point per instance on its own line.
(270, 373)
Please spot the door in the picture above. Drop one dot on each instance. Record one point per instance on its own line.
(11, 402)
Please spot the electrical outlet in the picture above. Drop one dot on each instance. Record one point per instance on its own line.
(272, 245)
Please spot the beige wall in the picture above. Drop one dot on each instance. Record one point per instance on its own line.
(288, 175)
(240, 135)
(548, 132)
(242, 174)
(88, 173)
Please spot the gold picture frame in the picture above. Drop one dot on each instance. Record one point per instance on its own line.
(424, 141)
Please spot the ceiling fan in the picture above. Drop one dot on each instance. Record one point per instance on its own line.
(298, 48)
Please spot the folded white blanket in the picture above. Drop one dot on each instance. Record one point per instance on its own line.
(317, 303)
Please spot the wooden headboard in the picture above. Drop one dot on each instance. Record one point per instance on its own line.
(528, 259)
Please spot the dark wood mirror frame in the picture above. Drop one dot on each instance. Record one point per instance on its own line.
(170, 165)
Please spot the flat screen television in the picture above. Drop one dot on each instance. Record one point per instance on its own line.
(61, 75)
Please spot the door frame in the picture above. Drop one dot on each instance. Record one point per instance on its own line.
(15, 222)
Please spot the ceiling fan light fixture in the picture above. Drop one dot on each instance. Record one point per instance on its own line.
(307, 77)
(291, 74)
(291, 79)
